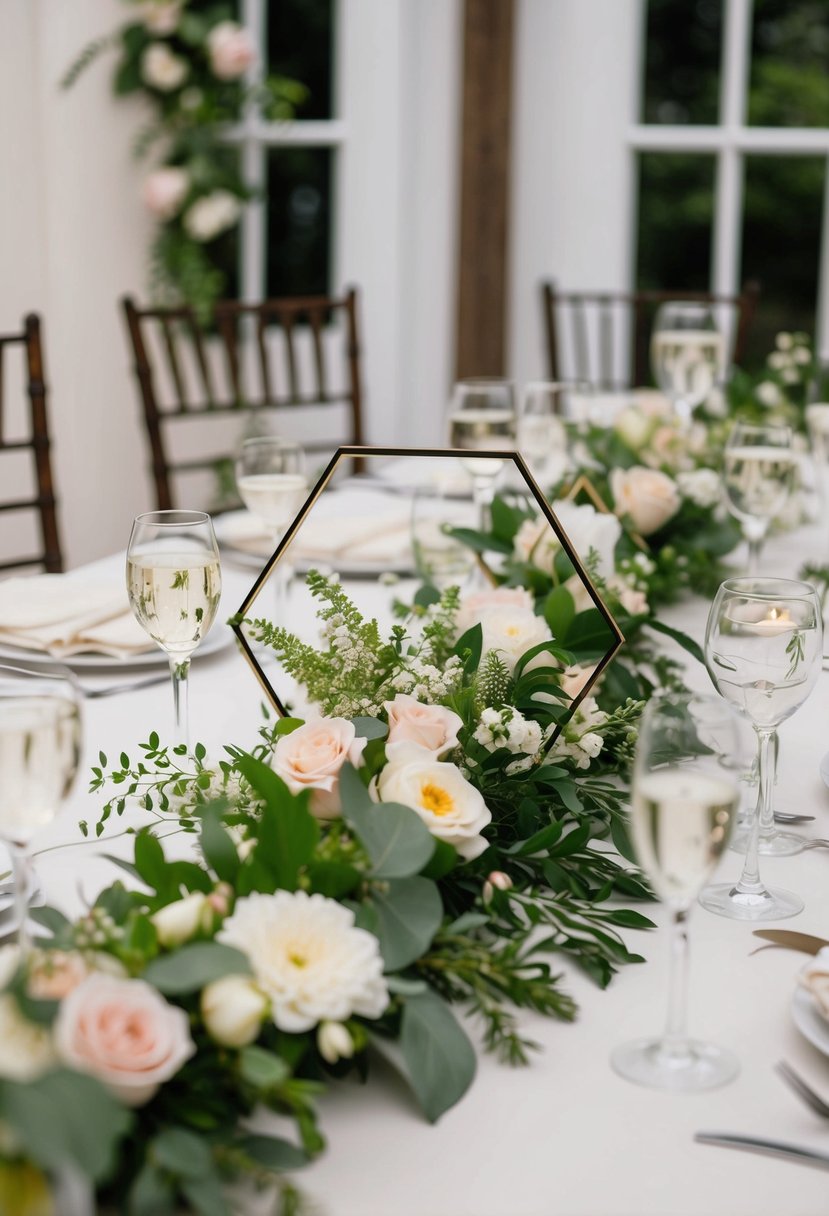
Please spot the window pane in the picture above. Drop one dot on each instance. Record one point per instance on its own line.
(300, 46)
(299, 208)
(676, 203)
(781, 238)
(789, 84)
(682, 61)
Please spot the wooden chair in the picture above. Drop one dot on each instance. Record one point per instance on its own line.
(37, 441)
(602, 325)
(277, 355)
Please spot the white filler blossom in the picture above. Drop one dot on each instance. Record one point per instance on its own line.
(308, 958)
(580, 739)
(702, 486)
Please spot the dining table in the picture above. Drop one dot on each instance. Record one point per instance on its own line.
(564, 1135)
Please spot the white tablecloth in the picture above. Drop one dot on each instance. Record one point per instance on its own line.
(566, 1136)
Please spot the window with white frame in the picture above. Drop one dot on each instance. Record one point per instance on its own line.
(732, 147)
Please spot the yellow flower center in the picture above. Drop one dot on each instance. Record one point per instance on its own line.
(512, 631)
(436, 799)
(298, 960)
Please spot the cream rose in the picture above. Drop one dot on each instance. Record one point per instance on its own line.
(231, 50)
(161, 16)
(452, 809)
(646, 496)
(210, 215)
(177, 922)
(233, 1009)
(472, 606)
(432, 727)
(125, 1034)
(161, 69)
(512, 631)
(26, 1049)
(164, 191)
(633, 426)
(311, 757)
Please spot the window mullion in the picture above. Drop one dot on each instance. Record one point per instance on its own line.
(254, 166)
(822, 319)
(728, 200)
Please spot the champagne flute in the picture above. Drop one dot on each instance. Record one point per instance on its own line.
(40, 745)
(685, 793)
(542, 435)
(174, 583)
(482, 418)
(758, 471)
(270, 478)
(687, 354)
(763, 651)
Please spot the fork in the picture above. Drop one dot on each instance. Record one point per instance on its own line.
(816, 842)
(785, 817)
(803, 1091)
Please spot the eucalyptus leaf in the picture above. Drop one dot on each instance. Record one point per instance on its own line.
(193, 966)
(409, 914)
(218, 849)
(397, 841)
(439, 1057)
(369, 728)
(272, 1152)
(288, 832)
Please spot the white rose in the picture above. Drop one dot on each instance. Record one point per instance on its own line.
(161, 69)
(701, 486)
(312, 756)
(432, 727)
(452, 809)
(308, 958)
(512, 632)
(472, 606)
(590, 531)
(161, 17)
(179, 921)
(334, 1042)
(633, 426)
(212, 214)
(536, 542)
(26, 1048)
(164, 191)
(768, 393)
(233, 1009)
(231, 50)
(649, 498)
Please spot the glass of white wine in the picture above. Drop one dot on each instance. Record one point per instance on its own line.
(174, 582)
(482, 418)
(270, 478)
(685, 795)
(687, 354)
(40, 746)
(763, 651)
(758, 471)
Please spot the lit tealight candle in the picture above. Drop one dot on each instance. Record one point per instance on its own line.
(776, 620)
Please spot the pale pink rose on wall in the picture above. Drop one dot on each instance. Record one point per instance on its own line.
(312, 756)
(432, 727)
(231, 50)
(164, 192)
(125, 1034)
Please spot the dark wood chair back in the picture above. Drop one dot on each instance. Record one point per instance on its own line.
(36, 440)
(588, 333)
(275, 355)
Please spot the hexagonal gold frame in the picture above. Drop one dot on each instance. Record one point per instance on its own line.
(356, 452)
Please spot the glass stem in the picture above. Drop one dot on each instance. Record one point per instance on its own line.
(755, 546)
(482, 492)
(765, 809)
(675, 1039)
(179, 670)
(750, 883)
(22, 877)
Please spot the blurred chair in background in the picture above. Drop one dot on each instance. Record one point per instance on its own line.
(298, 357)
(604, 336)
(35, 440)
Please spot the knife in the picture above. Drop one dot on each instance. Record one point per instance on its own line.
(770, 1148)
(790, 939)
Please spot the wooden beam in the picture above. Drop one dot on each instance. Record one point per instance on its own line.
(485, 163)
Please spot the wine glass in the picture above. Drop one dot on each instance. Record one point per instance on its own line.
(542, 436)
(174, 583)
(763, 651)
(687, 354)
(482, 418)
(685, 793)
(270, 478)
(440, 559)
(758, 471)
(40, 745)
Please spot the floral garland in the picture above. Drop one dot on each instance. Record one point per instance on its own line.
(189, 62)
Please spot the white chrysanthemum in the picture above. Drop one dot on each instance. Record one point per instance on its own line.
(308, 958)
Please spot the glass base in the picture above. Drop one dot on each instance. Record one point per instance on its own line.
(779, 844)
(770, 903)
(682, 1069)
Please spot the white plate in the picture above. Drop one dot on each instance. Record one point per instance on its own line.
(811, 1024)
(217, 639)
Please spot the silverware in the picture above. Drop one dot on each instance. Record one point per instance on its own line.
(50, 670)
(110, 690)
(771, 1148)
(802, 1089)
(784, 817)
(816, 843)
(791, 940)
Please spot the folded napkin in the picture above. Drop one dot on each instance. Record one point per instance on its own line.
(815, 978)
(62, 616)
(357, 527)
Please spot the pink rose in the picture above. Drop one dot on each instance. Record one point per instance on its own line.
(164, 192)
(311, 757)
(473, 606)
(647, 497)
(432, 727)
(231, 50)
(125, 1034)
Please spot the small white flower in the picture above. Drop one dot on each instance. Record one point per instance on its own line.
(784, 341)
(768, 393)
(212, 214)
(778, 360)
(308, 958)
(802, 355)
(161, 69)
(790, 375)
(334, 1042)
(701, 486)
(233, 1009)
(178, 922)
(161, 17)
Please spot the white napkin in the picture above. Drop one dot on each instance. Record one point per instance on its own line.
(377, 537)
(64, 616)
(815, 978)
